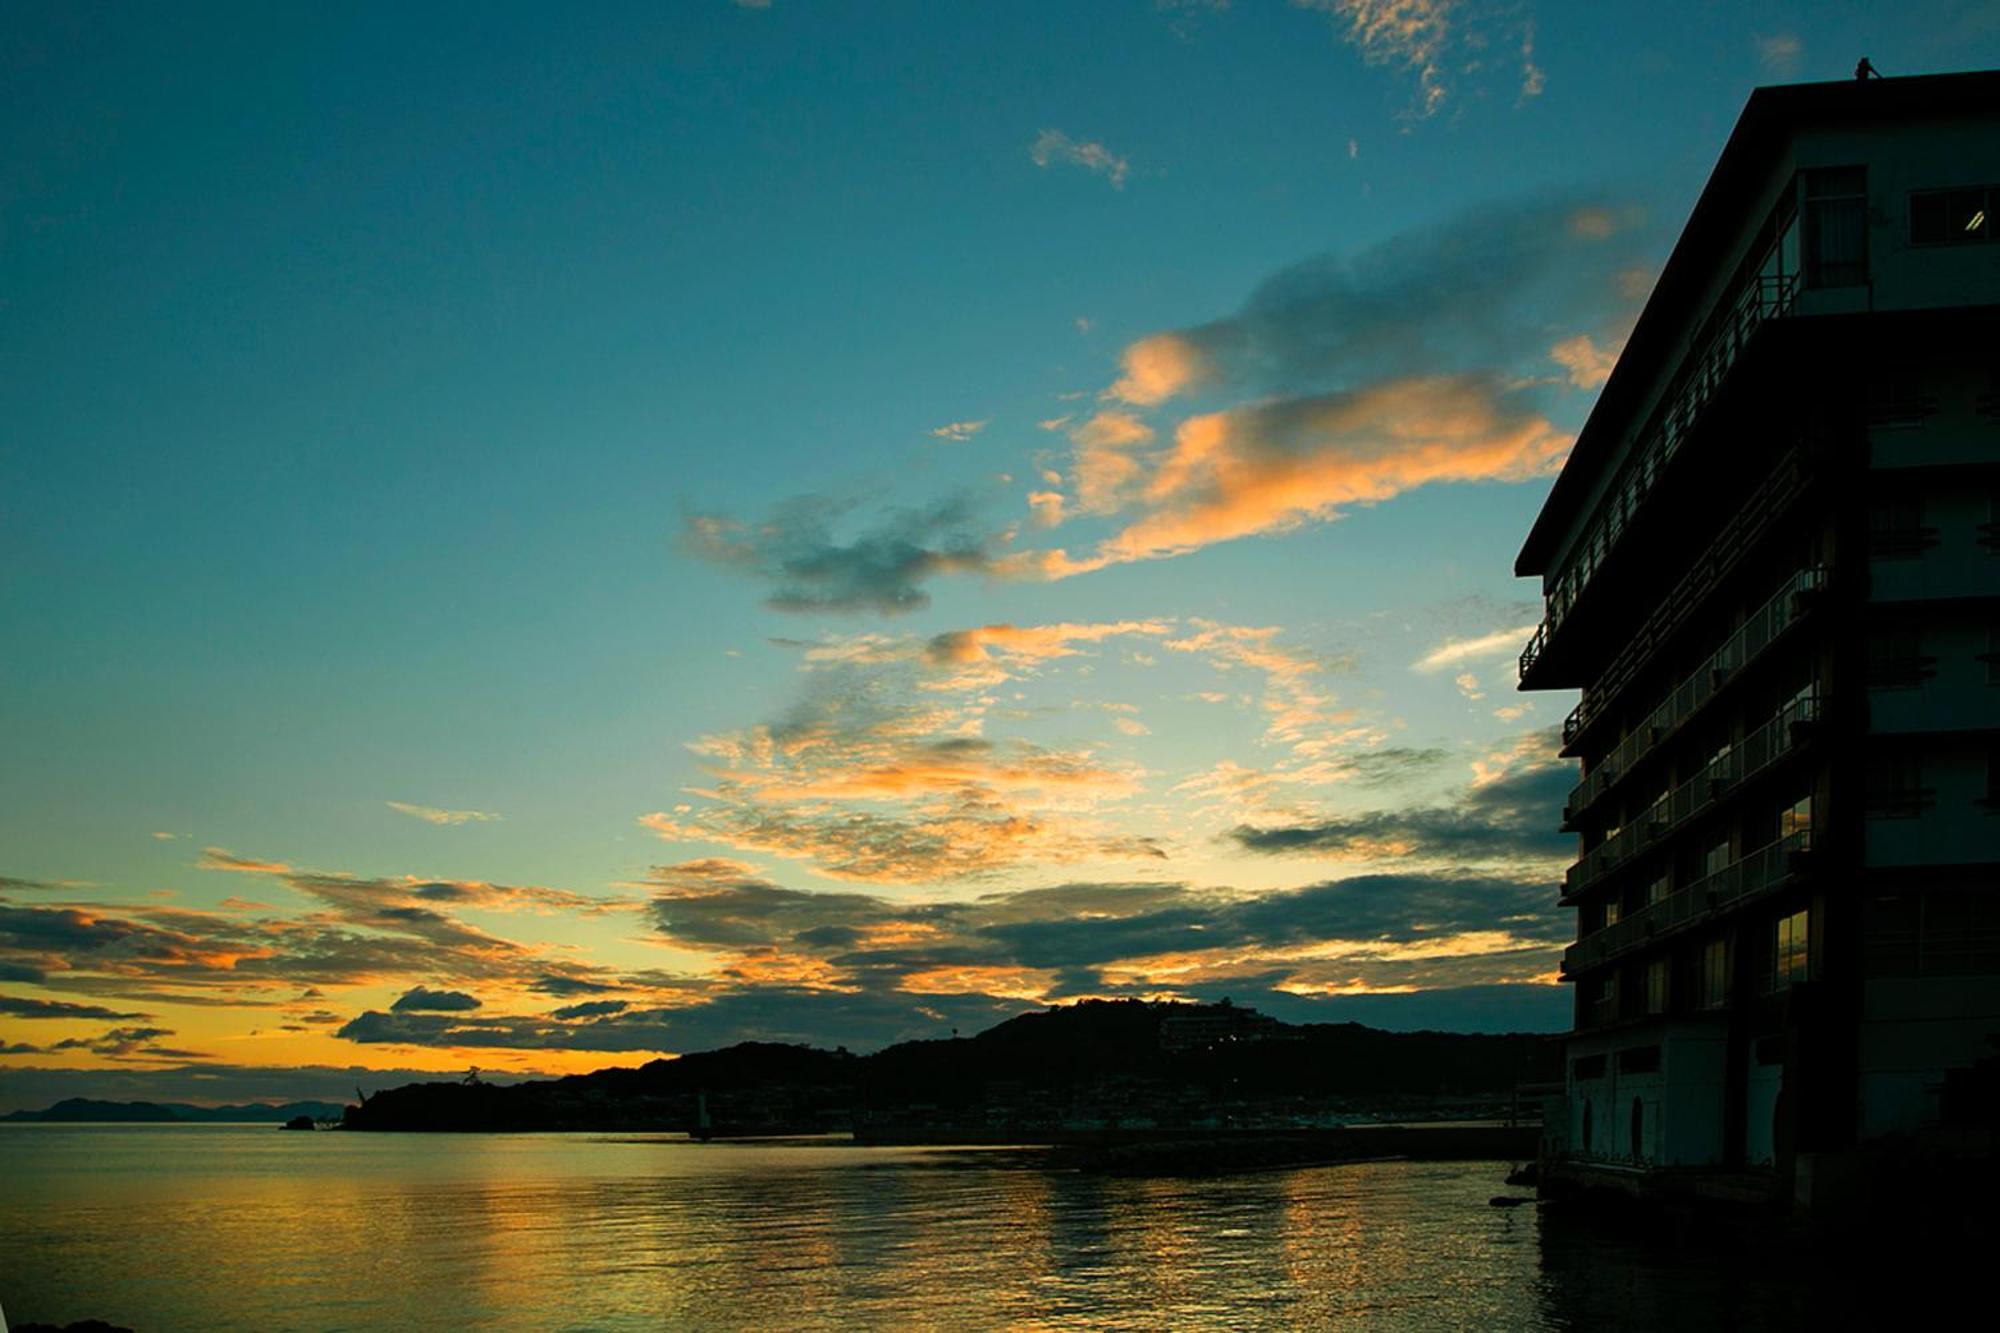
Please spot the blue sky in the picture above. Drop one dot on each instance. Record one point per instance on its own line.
(612, 436)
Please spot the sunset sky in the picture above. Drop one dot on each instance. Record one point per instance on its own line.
(540, 536)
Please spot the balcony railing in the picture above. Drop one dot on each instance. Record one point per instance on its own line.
(1702, 374)
(1762, 508)
(1722, 774)
(1763, 871)
(1759, 630)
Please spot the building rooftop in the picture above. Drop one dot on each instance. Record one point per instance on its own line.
(1769, 119)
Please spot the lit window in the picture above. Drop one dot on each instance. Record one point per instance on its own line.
(1715, 974)
(1657, 972)
(1795, 820)
(1951, 217)
(1791, 958)
(1718, 762)
(1657, 891)
(1612, 911)
(1717, 859)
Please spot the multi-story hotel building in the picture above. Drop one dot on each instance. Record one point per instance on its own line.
(1772, 566)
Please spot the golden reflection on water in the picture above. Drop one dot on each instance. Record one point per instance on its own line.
(227, 1227)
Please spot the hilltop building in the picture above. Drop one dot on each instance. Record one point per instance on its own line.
(1206, 1027)
(1772, 566)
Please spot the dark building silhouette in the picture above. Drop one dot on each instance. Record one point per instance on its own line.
(1772, 566)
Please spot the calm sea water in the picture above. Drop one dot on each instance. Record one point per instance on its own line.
(196, 1227)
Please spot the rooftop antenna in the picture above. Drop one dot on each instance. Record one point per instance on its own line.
(1864, 71)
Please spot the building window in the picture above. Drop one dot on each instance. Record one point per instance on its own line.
(1791, 959)
(1892, 935)
(1896, 529)
(1951, 217)
(1657, 891)
(1895, 401)
(1836, 227)
(1896, 658)
(1613, 909)
(1716, 859)
(1715, 974)
(1795, 820)
(1606, 998)
(1718, 769)
(1657, 973)
(1895, 786)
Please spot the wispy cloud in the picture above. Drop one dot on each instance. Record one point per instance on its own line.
(1437, 42)
(217, 858)
(882, 568)
(430, 814)
(1588, 364)
(957, 432)
(1779, 53)
(1510, 818)
(1457, 652)
(1411, 34)
(1053, 147)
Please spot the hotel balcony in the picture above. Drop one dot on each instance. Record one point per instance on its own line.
(1706, 368)
(1721, 776)
(1756, 874)
(1762, 628)
(1725, 551)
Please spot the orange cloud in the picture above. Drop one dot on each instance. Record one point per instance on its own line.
(1588, 364)
(1103, 463)
(985, 655)
(216, 858)
(1299, 711)
(430, 814)
(1160, 367)
(1272, 467)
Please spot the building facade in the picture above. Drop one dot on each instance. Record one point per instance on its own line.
(1772, 567)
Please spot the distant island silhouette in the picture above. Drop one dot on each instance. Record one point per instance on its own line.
(1076, 1070)
(86, 1110)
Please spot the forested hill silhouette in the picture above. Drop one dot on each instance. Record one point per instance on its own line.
(85, 1110)
(1107, 1063)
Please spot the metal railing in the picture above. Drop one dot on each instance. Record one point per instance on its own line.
(1702, 374)
(1759, 630)
(1722, 774)
(1726, 549)
(1763, 871)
